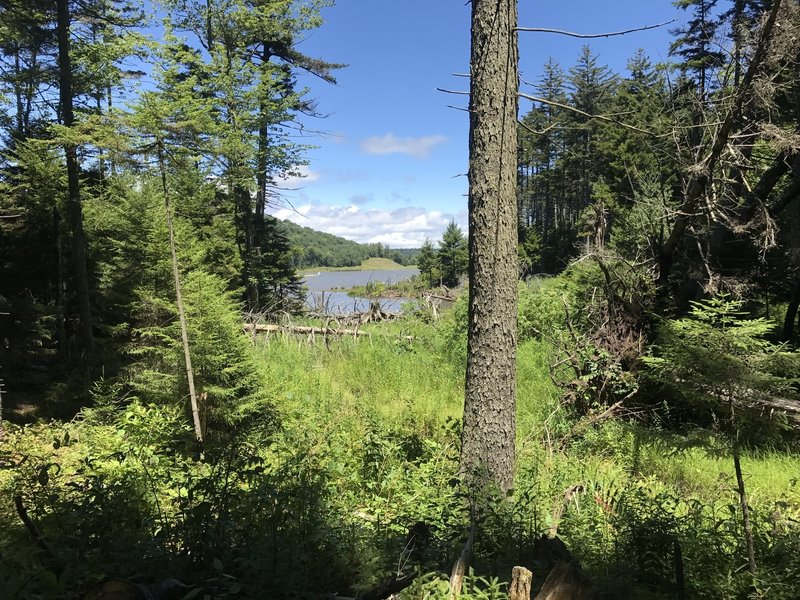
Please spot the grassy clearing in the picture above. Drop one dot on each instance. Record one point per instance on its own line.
(371, 264)
(386, 377)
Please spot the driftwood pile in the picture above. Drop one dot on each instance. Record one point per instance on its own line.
(340, 326)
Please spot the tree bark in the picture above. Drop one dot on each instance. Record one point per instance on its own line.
(74, 207)
(198, 427)
(61, 331)
(487, 443)
(520, 587)
(737, 467)
(791, 314)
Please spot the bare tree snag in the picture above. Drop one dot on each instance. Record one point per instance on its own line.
(198, 427)
(487, 442)
(461, 565)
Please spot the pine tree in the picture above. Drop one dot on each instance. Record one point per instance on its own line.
(696, 43)
(591, 92)
(719, 359)
(427, 262)
(27, 47)
(452, 255)
(640, 100)
(250, 74)
(541, 193)
(74, 202)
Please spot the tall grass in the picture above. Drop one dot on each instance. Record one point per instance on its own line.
(367, 451)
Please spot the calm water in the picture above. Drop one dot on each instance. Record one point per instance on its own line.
(320, 286)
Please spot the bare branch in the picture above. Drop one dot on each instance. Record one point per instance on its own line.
(544, 131)
(457, 92)
(581, 112)
(592, 35)
(700, 173)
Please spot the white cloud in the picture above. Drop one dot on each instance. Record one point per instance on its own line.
(419, 147)
(302, 174)
(405, 227)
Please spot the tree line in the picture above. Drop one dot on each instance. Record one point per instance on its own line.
(312, 248)
(130, 164)
(687, 169)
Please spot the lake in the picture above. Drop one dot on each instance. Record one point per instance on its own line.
(321, 289)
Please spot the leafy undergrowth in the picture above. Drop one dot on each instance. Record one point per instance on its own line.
(350, 474)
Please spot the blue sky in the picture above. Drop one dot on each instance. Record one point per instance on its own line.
(391, 156)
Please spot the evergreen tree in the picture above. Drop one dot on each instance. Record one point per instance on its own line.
(452, 255)
(74, 201)
(634, 156)
(28, 46)
(250, 75)
(591, 87)
(591, 91)
(541, 192)
(697, 42)
(719, 359)
(427, 262)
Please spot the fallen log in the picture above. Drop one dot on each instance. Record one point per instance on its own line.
(388, 588)
(301, 329)
(311, 331)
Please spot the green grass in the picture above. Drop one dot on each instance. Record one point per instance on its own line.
(371, 264)
(386, 377)
(366, 446)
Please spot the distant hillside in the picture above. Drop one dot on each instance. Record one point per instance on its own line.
(314, 248)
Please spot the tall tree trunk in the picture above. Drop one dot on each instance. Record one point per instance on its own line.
(261, 184)
(74, 208)
(791, 313)
(198, 428)
(737, 467)
(61, 332)
(18, 94)
(487, 443)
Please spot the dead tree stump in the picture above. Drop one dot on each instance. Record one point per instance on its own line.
(520, 587)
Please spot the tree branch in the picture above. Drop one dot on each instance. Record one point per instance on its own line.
(591, 35)
(701, 173)
(581, 112)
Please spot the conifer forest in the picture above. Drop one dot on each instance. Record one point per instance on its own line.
(591, 392)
